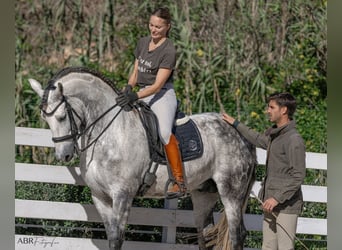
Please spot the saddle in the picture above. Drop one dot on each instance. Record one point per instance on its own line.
(186, 132)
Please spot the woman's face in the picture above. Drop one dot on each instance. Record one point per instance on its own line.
(158, 27)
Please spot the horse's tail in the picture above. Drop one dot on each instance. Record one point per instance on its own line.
(219, 234)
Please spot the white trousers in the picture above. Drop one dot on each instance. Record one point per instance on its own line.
(164, 105)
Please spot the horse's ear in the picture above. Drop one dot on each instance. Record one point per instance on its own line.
(37, 87)
(60, 88)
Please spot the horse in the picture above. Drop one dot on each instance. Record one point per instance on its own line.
(80, 109)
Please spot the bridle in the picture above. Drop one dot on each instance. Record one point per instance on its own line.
(77, 132)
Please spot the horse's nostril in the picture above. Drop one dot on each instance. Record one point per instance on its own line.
(68, 157)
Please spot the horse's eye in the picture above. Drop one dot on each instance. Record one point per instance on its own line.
(60, 117)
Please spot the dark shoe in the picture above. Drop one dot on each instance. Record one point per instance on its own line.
(177, 191)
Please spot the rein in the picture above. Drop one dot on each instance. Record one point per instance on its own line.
(96, 120)
(76, 132)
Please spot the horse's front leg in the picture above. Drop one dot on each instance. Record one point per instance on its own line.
(114, 213)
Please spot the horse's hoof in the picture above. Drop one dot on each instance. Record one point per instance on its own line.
(115, 244)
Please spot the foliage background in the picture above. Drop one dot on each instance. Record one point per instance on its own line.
(231, 55)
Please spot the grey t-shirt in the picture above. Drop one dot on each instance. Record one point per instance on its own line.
(149, 62)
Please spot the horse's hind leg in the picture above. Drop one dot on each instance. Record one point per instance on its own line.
(237, 232)
(203, 204)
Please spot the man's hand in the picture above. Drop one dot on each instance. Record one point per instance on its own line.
(228, 118)
(269, 204)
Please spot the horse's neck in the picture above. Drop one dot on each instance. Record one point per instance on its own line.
(97, 98)
(102, 113)
(120, 123)
(91, 98)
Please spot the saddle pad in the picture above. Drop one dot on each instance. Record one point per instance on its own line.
(190, 141)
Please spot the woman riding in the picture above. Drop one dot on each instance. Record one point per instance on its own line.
(155, 60)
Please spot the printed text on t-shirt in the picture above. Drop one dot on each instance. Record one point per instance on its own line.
(144, 65)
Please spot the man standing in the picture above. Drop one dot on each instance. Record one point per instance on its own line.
(285, 171)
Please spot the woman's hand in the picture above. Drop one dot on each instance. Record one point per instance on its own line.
(126, 98)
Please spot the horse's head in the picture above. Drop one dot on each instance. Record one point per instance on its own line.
(57, 112)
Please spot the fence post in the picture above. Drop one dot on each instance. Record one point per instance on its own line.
(169, 233)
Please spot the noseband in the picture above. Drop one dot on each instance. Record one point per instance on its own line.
(76, 132)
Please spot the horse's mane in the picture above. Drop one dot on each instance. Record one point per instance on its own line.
(76, 69)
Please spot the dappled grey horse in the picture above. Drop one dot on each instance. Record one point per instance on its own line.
(80, 108)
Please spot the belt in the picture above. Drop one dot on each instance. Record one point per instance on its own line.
(143, 85)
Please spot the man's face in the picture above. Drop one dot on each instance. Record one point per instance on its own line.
(275, 112)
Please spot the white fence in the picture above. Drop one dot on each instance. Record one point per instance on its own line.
(170, 218)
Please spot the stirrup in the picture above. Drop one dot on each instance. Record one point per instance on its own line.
(180, 193)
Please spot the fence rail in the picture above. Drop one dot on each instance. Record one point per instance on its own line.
(170, 218)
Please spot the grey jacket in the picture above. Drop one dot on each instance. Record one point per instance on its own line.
(285, 165)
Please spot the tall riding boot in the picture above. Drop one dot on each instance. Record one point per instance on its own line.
(175, 162)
